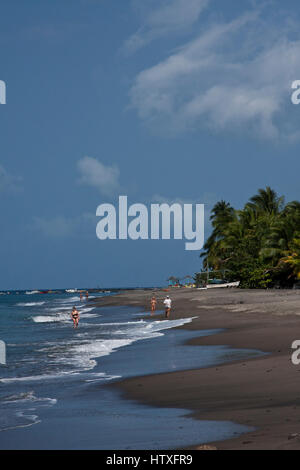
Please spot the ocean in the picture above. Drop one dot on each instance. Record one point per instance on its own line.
(53, 392)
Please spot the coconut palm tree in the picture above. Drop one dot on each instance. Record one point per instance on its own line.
(262, 238)
(221, 216)
(267, 202)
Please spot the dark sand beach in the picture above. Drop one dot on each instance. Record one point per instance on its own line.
(261, 392)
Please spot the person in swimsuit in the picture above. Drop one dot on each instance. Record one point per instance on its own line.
(75, 317)
(87, 295)
(81, 296)
(153, 304)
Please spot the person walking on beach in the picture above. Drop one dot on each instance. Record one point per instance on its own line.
(75, 317)
(153, 304)
(167, 304)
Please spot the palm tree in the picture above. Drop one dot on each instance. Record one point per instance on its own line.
(221, 216)
(266, 201)
(262, 238)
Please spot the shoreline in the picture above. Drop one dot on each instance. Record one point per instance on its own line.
(258, 392)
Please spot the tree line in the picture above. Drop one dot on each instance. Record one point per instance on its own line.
(258, 245)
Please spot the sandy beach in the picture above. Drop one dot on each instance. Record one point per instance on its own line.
(260, 392)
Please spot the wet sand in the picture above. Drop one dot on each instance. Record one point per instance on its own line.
(262, 392)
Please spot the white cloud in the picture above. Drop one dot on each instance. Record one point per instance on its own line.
(9, 182)
(164, 18)
(235, 75)
(96, 174)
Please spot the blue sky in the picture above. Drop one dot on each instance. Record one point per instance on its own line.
(160, 100)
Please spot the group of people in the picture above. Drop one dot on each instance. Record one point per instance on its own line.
(86, 295)
(75, 315)
(167, 304)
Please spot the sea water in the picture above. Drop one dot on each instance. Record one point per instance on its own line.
(53, 392)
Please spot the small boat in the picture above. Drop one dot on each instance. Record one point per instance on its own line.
(227, 284)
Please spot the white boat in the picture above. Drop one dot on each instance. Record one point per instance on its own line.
(71, 291)
(228, 284)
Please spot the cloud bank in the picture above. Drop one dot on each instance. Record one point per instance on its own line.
(233, 76)
(165, 17)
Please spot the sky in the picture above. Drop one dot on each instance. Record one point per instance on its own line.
(160, 100)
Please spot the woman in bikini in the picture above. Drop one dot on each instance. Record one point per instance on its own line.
(153, 304)
(75, 317)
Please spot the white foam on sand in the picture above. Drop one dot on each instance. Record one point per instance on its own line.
(85, 309)
(138, 322)
(101, 376)
(75, 298)
(87, 352)
(30, 304)
(28, 397)
(63, 317)
(35, 378)
(143, 329)
(80, 355)
(58, 309)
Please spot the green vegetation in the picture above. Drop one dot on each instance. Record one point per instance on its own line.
(258, 245)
